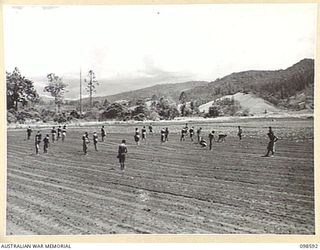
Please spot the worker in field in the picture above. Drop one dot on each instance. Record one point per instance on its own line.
(85, 142)
(166, 134)
(95, 140)
(199, 134)
(103, 133)
(29, 132)
(272, 143)
(137, 136)
(37, 141)
(186, 128)
(64, 132)
(150, 129)
(191, 133)
(144, 132)
(203, 142)
(53, 134)
(211, 138)
(183, 134)
(122, 151)
(162, 134)
(46, 144)
(270, 130)
(239, 132)
(59, 133)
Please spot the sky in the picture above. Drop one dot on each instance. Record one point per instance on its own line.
(130, 47)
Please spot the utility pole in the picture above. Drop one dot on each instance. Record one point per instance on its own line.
(80, 93)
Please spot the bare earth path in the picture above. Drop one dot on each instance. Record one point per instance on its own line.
(174, 187)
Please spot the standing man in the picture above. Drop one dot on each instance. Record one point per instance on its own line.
(166, 134)
(144, 133)
(191, 133)
(64, 132)
(183, 134)
(59, 133)
(240, 132)
(53, 134)
(122, 151)
(103, 133)
(163, 133)
(137, 137)
(150, 129)
(272, 143)
(37, 141)
(186, 129)
(95, 140)
(199, 134)
(211, 138)
(29, 131)
(85, 142)
(46, 144)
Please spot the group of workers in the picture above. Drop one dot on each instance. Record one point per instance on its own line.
(60, 133)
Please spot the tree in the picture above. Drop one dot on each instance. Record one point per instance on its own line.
(182, 109)
(19, 90)
(115, 110)
(56, 88)
(183, 97)
(106, 103)
(214, 111)
(167, 109)
(92, 82)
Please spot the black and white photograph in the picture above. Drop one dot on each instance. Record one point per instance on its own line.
(162, 119)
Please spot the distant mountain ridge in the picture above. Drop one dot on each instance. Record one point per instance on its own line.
(277, 87)
(169, 90)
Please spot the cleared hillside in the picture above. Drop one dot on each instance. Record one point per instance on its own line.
(254, 104)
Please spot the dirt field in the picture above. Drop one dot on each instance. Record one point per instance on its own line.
(174, 187)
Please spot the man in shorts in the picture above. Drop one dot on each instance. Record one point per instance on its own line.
(59, 133)
(272, 143)
(37, 141)
(137, 137)
(53, 134)
(162, 134)
(95, 140)
(183, 134)
(144, 132)
(166, 134)
(122, 151)
(150, 129)
(64, 132)
(46, 144)
(239, 132)
(191, 133)
(199, 134)
(211, 138)
(103, 133)
(29, 131)
(85, 142)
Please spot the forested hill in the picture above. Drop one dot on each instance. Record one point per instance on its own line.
(171, 91)
(273, 86)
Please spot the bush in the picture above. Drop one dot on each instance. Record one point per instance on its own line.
(60, 118)
(74, 114)
(92, 115)
(139, 117)
(114, 111)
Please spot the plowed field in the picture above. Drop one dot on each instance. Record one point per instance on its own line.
(172, 187)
